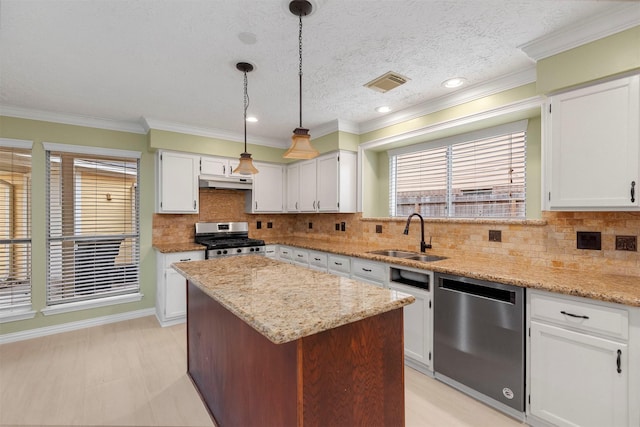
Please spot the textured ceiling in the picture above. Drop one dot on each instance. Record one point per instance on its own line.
(174, 61)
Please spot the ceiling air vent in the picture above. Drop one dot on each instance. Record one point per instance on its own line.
(386, 82)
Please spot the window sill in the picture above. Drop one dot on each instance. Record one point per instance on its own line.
(15, 315)
(86, 305)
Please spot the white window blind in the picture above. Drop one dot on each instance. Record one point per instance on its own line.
(93, 242)
(482, 176)
(15, 227)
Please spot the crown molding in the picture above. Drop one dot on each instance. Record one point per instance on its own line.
(612, 21)
(71, 119)
(472, 93)
(149, 124)
(337, 125)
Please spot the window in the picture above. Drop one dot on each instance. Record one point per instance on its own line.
(93, 241)
(481, 174)
(15, 227)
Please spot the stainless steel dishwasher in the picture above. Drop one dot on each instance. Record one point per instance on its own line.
(479, 340)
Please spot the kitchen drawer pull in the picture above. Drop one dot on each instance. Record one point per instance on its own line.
(368, 270)
(185, 259)
(579, 316)
(633, 191)
(317, 259)
(300, 256)
(618, 361)
(337, 263)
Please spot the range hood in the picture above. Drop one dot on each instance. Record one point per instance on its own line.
(229, 182)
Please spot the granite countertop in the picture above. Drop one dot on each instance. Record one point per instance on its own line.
(285, 302)
(167, 248)
(604, 287)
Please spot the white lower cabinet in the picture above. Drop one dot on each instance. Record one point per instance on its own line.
(340, 265)
(579, 377)
(318, 260)
(171, 293)
(285, 253)
(418, 318)
(373, 272)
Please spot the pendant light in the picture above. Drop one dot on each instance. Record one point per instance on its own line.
(301, 147)
(245, 167)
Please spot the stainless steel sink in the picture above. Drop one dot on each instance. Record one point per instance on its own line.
(407, 255)
(426, 258)
(393, 253)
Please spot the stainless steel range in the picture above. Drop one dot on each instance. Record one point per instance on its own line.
(224, 239)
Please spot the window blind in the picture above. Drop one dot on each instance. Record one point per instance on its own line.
(93, 242)
(476, 177)
(15, 227)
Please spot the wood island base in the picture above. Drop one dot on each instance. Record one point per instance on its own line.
(346, 376)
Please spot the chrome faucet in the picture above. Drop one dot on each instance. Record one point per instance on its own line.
(423, 246)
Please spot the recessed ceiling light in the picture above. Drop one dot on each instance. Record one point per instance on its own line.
(252, 119)
(454, 82)
(383, 109)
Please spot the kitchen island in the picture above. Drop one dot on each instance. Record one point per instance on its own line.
(273, 344)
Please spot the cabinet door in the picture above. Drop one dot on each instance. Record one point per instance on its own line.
(293, 188)
(307, 181)
(176, 302)
(577, 379)
(327, 184)
(214, 166)
(417, 325)
(178, 183)
(268, 188)
(595, 139)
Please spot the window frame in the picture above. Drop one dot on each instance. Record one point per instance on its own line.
(448, 145)
(23, 310)
(96, 299)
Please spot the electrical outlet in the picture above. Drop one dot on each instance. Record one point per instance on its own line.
(337, 227)
(310, 225)
(379, 228)
(495, 235)
(343, 226)
(626, 243)
(589, 240)
(269, 225)
(259, 225)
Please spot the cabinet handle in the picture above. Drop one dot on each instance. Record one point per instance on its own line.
(185, 259)
(256, 205)
(314, 205)
(337, 263)
(224, 169)
(366, 269)
(633, 191)
(318, 204)
(618, 361)
(296, 205)
(317, 259)
(300, 256)
(194, 205)
(579, 316)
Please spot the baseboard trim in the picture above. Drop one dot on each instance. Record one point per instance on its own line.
(73, 326)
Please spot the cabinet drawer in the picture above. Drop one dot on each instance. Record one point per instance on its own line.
(285, 252)
(339, 264)
(318, 260)
(370, 271)
(170, 258)
(580, 315)
(301, 256)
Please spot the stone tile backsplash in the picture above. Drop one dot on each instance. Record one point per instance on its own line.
(549, 242)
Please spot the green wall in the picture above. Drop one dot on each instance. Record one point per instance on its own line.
(38, 132)
(616, 54)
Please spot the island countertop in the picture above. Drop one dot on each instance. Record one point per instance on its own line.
(285, 302)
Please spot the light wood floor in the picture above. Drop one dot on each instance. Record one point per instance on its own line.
(133, 373)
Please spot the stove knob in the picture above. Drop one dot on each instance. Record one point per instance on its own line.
(238, 250)
(224, 252)
(257, 249)
(251, 249)
(219, 252)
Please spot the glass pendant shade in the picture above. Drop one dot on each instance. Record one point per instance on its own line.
(301, 147)
(245, 167)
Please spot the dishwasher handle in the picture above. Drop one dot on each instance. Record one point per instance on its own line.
(478, 290)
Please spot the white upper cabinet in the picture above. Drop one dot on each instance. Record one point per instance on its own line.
(216, 166)
(592, 147)
(177, 182)
(268, 188)
(324, 184)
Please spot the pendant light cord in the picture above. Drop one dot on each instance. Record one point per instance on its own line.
(300, 66)
(246, 106)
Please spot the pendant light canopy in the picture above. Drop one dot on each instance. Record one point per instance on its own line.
(301, 147)
(245, 167)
